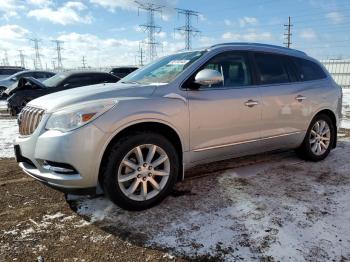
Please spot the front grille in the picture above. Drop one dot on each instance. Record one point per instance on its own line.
(29, 119)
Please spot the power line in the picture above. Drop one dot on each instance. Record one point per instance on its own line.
(151, 28)
(37, 60)
(188, 30)
(288, 35)
(58, 50)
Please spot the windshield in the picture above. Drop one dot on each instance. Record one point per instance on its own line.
(55, 80)
(165, 70)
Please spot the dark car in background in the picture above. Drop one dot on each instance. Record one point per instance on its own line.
(6, 71)
(29, 88)
(13, 79)
(123, 71)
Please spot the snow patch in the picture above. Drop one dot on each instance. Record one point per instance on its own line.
(8, 132)
(285, 208)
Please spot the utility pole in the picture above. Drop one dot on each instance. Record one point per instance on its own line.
(21, 58)
(58, 50)
(188, 30)
(37, 60)
(83, 62)
(151, 28)
(288, 34)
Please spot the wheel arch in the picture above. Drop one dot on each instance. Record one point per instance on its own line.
(332, 116)
(155, 126)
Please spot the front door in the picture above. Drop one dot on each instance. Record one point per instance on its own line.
(225, 118)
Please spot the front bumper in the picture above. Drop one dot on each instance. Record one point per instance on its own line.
(79, 149)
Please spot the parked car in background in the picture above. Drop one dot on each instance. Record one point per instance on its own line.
(134, 139)
(6, 71)
(13, 79)
(123, 71)
(29, 88)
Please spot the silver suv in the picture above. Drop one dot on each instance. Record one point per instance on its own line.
(134, 139)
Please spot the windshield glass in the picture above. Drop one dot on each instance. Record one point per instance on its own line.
(55, 80)
(165, 70)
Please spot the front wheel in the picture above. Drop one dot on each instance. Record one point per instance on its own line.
(319, 139)
(141, 170)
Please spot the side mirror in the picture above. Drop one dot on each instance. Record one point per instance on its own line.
(208, 77)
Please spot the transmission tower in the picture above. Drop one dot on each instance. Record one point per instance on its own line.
(53, 63)
(6, 59)
(37, 60)
(188, 30)
(58, 50)
(288, 34)
(83, 61)
(21, 58)
(151, 28)
(140, 55)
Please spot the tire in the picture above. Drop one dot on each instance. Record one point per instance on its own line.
(126, 173)
(309, 150)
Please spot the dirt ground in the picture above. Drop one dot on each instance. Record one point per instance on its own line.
(37, 224)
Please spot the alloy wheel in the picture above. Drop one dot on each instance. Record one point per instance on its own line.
(144, 171)
(320, 137)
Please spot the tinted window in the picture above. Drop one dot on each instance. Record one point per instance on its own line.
(309, 70)
(271, 69)
(234, 68)
(106, 78)
(9, 71)
(80, 80)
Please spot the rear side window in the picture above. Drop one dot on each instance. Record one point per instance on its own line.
(271, 69)
(309, 70)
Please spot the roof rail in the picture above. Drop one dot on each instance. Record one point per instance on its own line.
(258, 44)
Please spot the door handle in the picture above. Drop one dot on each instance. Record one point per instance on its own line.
(300, 98)
(251, 103)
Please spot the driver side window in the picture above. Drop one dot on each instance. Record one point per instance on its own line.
(233, 66)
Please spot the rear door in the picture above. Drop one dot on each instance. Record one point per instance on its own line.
(225, 118)
(284, 106)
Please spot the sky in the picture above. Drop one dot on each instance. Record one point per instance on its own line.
(107, 32)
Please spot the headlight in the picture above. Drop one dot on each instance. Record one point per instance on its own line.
(73, 117)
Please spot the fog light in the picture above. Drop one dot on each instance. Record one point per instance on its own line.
(60, 168)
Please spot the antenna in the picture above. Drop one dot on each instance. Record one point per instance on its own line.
(59, 57)
(188, 30)
(288, 35)
(150, 27)
(37, 60)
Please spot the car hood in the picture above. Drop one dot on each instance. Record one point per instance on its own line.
(58, 100)
(24, 83)
(6, 82)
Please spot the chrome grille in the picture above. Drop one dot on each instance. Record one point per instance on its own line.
(29, 119)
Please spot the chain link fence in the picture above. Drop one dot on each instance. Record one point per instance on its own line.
(340, 70)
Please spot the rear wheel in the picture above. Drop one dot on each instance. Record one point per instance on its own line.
(141, 170)
(319, 139)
